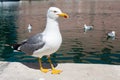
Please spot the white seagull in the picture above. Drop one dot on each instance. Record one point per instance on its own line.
(87, 28)
(47, 42)
(111, 35)
(29, 28)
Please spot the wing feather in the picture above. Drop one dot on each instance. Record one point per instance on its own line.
(33, 43)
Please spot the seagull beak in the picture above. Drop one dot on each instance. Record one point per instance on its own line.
(63, 15)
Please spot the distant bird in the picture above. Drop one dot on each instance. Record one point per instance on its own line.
(87, 28)
(47, 42)
(29, 28)
(111, 35)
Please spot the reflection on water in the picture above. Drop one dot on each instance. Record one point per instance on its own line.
(77, 47)
(7, 28)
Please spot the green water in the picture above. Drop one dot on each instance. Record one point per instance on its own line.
(76, 54)
(8, 16)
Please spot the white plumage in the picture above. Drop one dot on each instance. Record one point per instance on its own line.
(51, 35)
(111, 35)
(29, 28)
(87, 28)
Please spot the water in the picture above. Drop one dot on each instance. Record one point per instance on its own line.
(77, 46)
(8, 16)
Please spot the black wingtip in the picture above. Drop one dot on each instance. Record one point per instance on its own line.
(14, 46)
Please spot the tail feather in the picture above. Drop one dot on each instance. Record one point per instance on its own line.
(16, 47)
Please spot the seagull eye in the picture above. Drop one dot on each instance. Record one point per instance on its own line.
(55, 11)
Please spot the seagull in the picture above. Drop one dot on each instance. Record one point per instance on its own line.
(29, 28)
(47, 42)
(111, 35)
(87, 28)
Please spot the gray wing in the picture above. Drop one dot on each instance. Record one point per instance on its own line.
(33, 43)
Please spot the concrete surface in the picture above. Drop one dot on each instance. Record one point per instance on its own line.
(71, 71)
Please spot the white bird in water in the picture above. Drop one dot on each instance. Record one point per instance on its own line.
(111, 35)
(29, 28)
(47, 42)
(87, 28)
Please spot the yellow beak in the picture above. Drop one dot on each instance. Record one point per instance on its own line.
(63, 15)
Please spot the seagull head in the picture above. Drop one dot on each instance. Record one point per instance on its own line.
(113, 32)
(54, 13)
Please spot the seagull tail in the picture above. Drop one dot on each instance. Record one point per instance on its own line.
(15, 47)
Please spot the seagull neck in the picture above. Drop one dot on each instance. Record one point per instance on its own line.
(52, 22)
(51, 26)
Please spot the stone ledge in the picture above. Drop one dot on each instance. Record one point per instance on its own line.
(71, 71)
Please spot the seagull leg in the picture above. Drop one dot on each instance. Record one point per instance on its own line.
(54, 71)
(41, 68)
